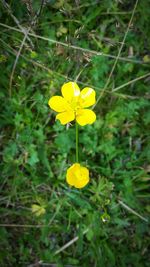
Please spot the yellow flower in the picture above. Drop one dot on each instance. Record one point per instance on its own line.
(73, 104)
(38, 210)
(77, 176)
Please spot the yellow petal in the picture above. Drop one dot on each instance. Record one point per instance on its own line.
(71, 177)
(77, 176)
(66, 116)
(85, 116)
(87, 97)
(58, 103)
(70, 90)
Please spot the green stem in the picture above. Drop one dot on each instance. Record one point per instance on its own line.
(77, 143)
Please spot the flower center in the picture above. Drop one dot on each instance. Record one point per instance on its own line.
(75, 104)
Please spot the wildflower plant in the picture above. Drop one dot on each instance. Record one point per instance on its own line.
(72, 105)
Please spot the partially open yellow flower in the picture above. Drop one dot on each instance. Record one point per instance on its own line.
(38, 210)
(77, 176)
(73, 103)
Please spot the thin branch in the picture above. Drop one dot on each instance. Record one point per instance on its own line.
(118, 56)
(92, 52)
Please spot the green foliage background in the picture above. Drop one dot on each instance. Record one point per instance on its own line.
(36, 150)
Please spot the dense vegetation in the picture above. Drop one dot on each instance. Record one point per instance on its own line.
(74, 40)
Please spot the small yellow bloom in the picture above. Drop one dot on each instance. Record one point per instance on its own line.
(73, 103)
(38, 210)
(77, 176)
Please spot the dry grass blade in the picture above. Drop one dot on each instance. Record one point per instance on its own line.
(16, 60)
(23, 225)
(92, 52)
(130, 82)
(70, 243)
(42, 66)
(42, 264)
(132, 211)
